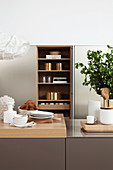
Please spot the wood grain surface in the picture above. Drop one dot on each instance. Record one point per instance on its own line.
(97, 127)
(56, 129)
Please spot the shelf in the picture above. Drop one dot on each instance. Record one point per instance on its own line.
(54, 107)
(53, 71)
(64, 88)
(53, 59)
(44, 100)
(52, 83)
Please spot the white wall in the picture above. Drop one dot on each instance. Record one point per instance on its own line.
(18, 77)
(59, 21)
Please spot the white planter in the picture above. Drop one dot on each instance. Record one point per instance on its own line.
(106, 116)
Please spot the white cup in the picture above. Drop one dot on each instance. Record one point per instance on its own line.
(20, 120)
(91, 119)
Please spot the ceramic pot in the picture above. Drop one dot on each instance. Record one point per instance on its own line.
(106, 116)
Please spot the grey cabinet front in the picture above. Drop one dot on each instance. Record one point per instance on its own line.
(89, 154)
(32, 154)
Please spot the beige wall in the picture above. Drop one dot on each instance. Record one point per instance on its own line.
(18, 77)
(82, 93)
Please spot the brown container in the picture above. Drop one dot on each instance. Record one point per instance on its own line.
(54, 52)
(48, 96)
(48, 66)
(55, 96)
(58, 66)
(58, 95)
(52, 96)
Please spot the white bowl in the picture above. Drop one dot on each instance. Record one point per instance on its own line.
(21, 111)
(20, 119)
(106, 116)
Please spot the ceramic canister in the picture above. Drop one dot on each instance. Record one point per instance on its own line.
(58, 66)
(106, 116)
(48, 66)
(48, 96)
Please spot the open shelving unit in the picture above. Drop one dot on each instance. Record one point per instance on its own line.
(56, 106)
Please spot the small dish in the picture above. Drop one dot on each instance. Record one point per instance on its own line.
(91, 123)
(43, 117)
(30, 124)
(54, 52)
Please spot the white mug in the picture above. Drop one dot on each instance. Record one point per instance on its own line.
(91, 119)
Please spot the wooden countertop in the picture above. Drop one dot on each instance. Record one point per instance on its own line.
(56, 129)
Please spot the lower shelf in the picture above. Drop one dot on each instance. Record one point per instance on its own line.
(54, 107)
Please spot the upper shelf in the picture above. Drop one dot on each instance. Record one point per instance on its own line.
(52, 83)
(53, 59)
(53, 70)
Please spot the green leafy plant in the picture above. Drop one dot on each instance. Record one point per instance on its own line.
(99, 70)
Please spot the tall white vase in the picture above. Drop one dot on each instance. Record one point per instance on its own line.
(94, 109)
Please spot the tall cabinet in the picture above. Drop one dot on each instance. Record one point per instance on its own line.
(64, 104)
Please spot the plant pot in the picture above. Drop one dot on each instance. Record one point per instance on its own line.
(106, 116)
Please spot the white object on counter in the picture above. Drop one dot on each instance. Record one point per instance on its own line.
(94, 109)
(106, 116)
(20, 120)
(4, 102)
(30, 124)
(90, 119)
(9, 114)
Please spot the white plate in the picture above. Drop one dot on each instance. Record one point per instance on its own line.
(35, 112)
(40, 115)
(36, 117)
(30, 124)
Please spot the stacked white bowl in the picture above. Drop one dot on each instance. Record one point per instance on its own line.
(4, 102)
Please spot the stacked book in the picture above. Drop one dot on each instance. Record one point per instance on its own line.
(53, 56)
(59, 79)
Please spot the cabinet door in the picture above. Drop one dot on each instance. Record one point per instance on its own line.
(32, 154)
(89, 153)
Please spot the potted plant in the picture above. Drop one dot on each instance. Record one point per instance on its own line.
(99, 70)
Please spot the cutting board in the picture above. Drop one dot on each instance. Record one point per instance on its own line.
(97, 127)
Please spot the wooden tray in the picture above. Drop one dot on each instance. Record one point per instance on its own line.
(97, 127)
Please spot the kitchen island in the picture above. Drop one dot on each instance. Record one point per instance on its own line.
(87, 151)
(41, 147)
(56, 129)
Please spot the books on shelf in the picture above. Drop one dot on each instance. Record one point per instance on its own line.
(59, 79)
(53, 56)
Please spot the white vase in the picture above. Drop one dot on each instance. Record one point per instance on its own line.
(94, 109)
(4, 102)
